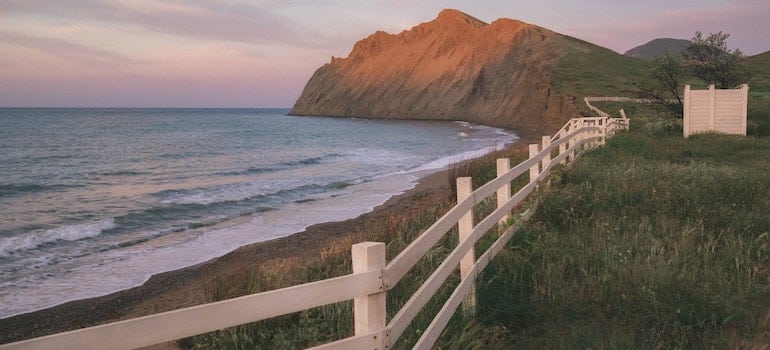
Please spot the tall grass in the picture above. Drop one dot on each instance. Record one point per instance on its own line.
(331, 322)
(653, 241)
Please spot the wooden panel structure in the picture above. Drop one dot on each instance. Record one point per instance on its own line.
(715, 110)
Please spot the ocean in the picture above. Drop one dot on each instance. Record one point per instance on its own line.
(94, 201)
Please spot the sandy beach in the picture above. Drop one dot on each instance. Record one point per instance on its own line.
(189, 286)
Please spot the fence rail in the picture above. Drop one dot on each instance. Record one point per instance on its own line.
(603, 114)
(371, 277)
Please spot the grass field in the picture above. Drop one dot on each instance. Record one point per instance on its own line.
(653, 241)
(590, 70)
(759, 94)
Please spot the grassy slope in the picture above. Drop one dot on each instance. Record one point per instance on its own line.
(759, 94)
(590, 70)
(658, 47)
(651, 242)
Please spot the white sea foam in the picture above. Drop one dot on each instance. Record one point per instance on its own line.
(116, 270)
(445, 162)
(453, 159)
(217, 194)
(377, 156)
(33, 240)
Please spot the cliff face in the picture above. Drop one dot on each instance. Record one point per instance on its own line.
(455, 67)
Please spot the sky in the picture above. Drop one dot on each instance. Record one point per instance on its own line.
(260, 53)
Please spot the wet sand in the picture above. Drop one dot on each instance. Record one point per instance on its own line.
(190, 286)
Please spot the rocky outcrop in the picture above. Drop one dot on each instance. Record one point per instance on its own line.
(455, 67)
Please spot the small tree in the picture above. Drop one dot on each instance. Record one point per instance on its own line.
(669, 76)
(713, 62)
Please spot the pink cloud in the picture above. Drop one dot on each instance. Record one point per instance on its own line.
(218, 20)
(68, 50)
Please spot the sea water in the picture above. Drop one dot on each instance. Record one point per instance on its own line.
(94, 201)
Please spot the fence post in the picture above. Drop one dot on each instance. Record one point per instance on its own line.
(712, 106)
(686, 112)
(744, 108)
(464, 228)
(604, 131)
(504, 192)
(546, 141)
(571, 142)
(563, 146)
(578, 136)
(369, 310)
(533, 171)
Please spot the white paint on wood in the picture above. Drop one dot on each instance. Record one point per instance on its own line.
(199, 319)
(373, 341)
(404, 261)
(464, 229)
(369, 310)
(546, 141)
(504, 192)
(432, 333)
(404, 317)
(534, 169)
(718, 110)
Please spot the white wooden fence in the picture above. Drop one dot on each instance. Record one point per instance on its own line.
(601, 113)
(371, 277)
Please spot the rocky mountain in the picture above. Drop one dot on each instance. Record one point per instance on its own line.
(454, 67)
(658, 47)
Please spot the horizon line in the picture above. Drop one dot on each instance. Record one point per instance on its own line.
(125, 107)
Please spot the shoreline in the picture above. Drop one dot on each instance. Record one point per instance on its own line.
(190, 285)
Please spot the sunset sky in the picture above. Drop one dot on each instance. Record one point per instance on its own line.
(195, 53)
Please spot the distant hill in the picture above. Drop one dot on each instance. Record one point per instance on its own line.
(760, 63)
(658, 48)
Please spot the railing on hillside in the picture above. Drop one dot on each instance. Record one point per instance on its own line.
(603, 114)
(371, 277)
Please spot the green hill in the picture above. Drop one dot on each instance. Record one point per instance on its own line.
(759, 66)
(590, 70)
(759, 93)
(657, 48)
